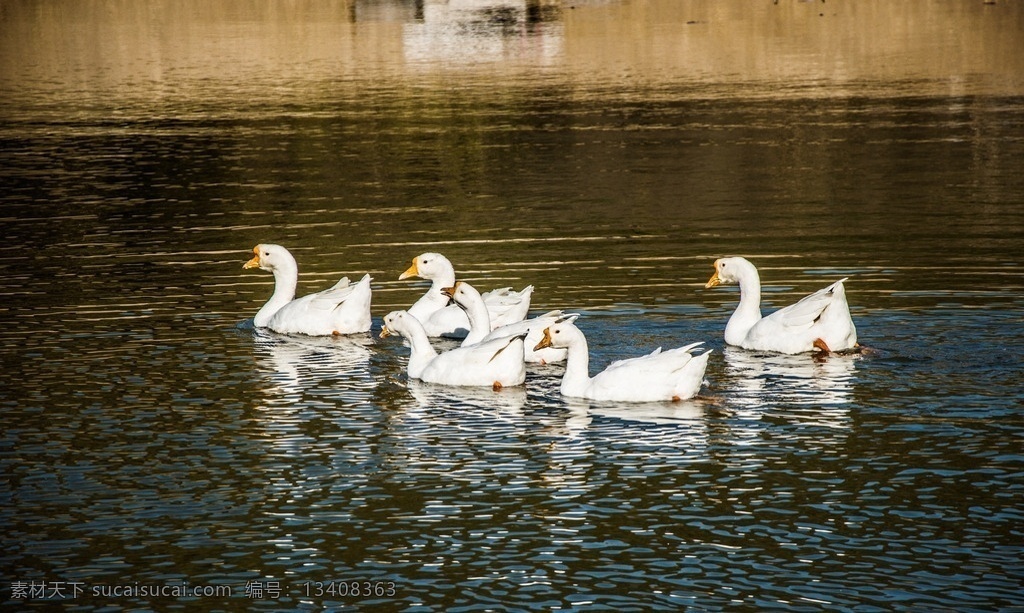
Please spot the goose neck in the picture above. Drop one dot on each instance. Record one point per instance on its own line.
(577, 368)
(748, 312)
(479, 321)
(750, 292)
(285, 282)
(421, 351)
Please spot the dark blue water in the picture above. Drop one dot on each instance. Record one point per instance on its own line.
(607, 154)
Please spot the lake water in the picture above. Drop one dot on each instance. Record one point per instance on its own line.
(605, 152)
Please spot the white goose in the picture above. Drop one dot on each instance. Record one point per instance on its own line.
(467, 297)
(675, 374)
(341, 309)
(439, 318)
(498, 363)
(819, 321)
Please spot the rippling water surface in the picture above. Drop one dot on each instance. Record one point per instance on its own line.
(605, 152)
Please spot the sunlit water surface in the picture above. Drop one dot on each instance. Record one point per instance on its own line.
(605, 152)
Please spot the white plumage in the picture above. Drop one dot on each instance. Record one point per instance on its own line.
(676, 374)
(819, 321)
(341, 309)
(439, 318)
(497, 363)
(467, 297)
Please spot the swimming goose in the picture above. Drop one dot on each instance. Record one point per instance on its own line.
(439, 318)
(675, 374)
(497, 363)
(467, 297)
(819, 321)
(341, 309)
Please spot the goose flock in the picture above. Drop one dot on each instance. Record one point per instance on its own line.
(498, 339)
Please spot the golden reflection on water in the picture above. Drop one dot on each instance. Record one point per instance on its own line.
(157, 48)
(957, 45)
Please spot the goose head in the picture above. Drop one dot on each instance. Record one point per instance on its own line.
(393, 324)
(400, 323)
(463, 294)
(729, 270)
(270, 257)
(560, 335)
(428, 266)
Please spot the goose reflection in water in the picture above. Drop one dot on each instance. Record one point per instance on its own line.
(459, 431)
(684, 413)
(506, 403)
(673, 425)
(648, 439)
(294, 364)
(314, 387)
(759, 379)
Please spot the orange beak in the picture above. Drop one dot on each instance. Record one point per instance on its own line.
(545, 341)
(412, 271)
(255, 261)
(715, 280)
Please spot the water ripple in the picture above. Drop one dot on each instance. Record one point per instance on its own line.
(152, 435)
